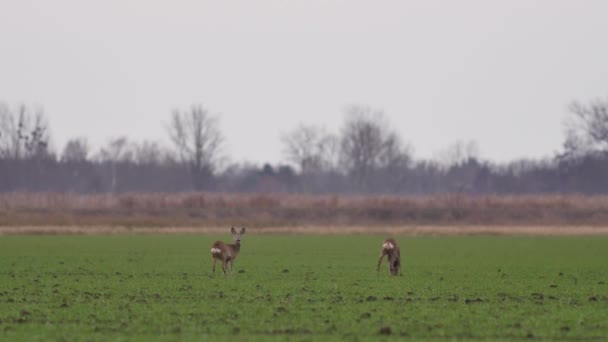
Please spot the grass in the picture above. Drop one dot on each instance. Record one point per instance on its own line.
(302, 287)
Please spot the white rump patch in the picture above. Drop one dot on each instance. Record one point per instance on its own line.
(215, 250)
(387, 245)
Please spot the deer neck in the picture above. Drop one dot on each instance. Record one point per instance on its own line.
(237, 246)
(392, 256)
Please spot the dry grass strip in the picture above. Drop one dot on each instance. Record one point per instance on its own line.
(319, 230)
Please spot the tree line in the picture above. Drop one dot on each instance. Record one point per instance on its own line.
(365, 156)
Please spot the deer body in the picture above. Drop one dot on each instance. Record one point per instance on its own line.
(226, 253)
(390, 248)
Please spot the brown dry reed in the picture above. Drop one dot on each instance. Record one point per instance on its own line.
(280, 210)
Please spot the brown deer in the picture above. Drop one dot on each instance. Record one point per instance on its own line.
(390, 248)
(226, 253)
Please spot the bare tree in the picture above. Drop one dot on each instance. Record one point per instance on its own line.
(312, 148)
(23, 133)
(75, 150)
(198, 141)
(116, 152)
(7, 131)
(368, 145)
(147, 153)
(458, 153)
(587, 130)
(394, 164)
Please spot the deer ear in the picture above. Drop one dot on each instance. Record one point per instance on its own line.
(232, 230)
(242, 231)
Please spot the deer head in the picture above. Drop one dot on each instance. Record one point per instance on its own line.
(394, 265)
(237, 236)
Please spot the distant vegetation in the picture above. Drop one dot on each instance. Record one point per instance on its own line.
(366, 156)
(283, 210)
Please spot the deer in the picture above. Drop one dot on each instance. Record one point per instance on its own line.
(226, 253)
(390, 248)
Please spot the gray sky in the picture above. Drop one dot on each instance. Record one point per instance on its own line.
(498, 72)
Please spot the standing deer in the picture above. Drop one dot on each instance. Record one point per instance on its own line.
(227, 252)
(390, 248)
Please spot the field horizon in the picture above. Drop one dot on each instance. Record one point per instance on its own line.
(427, 230)
(209, 210)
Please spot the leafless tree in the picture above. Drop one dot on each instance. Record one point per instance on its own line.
(394, 164)
(76, 150)
(458, 153)
(23, 133)
(7, 128)
(116, 152)
(311, 148)
(198, 141)
(147, 153)
(368, 145)
(587, 129)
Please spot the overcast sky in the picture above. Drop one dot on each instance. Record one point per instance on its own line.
(501, 73)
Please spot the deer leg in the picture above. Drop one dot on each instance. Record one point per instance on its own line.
(380, 261)
(399, 256)
(231, 265)
(214, 261)
(224, 266)
(399, 266)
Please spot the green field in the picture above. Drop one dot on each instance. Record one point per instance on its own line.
(289, 287)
